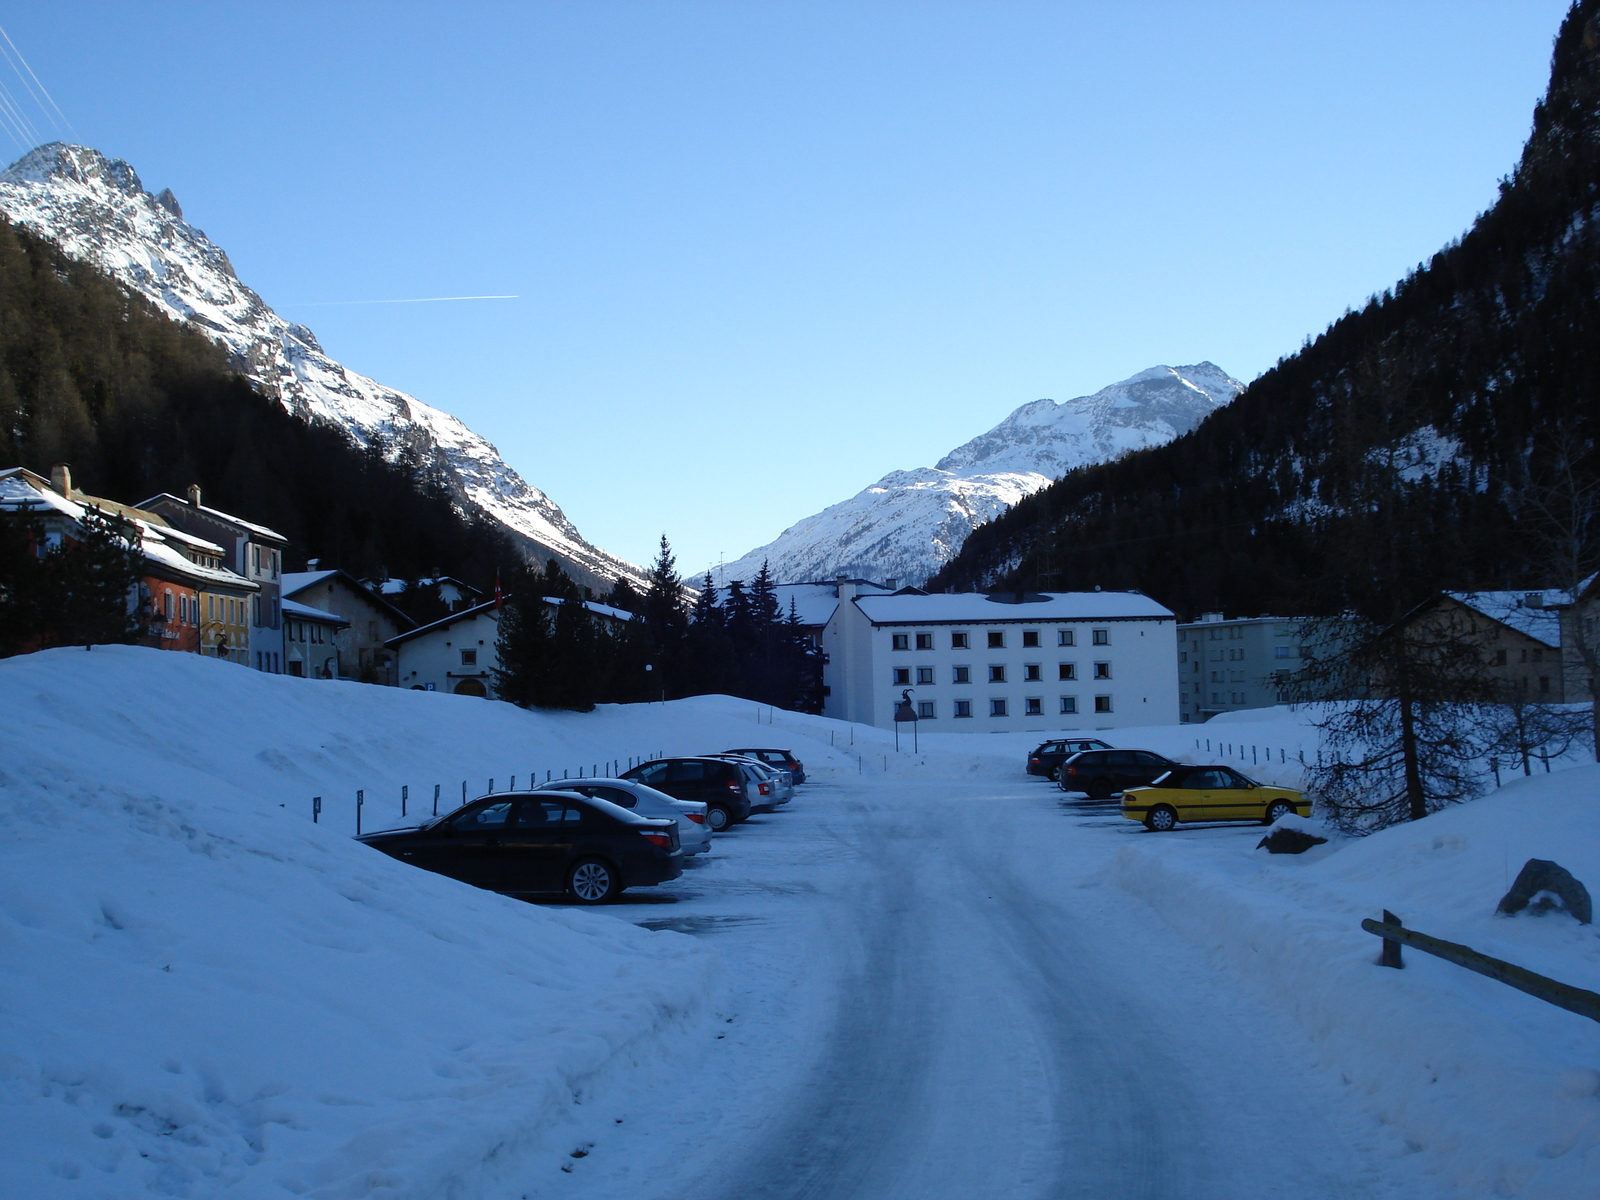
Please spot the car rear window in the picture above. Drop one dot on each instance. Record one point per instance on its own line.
(616, 795)
(652, 774)
(692, 772)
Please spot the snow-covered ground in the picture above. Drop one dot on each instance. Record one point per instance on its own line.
(930, 976)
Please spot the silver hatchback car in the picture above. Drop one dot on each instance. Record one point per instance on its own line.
(694, 835)
(779, 782)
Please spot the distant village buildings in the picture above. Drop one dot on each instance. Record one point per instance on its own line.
(213, 583)
(459, 653)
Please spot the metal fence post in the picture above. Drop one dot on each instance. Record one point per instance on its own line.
(316, 809)
(463, 791)
(1391, 949)
(361, 798)
(491, 787)
(436, 799)
(405, 794)
(513, 786)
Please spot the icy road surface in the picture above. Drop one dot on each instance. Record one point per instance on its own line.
(929, 994)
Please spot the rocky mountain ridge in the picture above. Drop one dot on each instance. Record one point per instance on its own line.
(98, 211)
(908, 524)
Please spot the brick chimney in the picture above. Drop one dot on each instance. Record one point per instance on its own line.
(61, 479)
(194, 495)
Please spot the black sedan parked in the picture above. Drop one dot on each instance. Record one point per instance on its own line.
(1103, 773)
(1046, 760)
(543, 842)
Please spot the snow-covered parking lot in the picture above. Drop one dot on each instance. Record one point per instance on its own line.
(929, 976)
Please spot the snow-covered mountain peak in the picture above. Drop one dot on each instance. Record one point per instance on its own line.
(75, 164)
(910, 523)
(1045, 437)
(98, 211)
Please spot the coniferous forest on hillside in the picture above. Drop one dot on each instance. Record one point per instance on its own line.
(1441, 437)
(137, 403)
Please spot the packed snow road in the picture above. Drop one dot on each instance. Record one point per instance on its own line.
(930, 995)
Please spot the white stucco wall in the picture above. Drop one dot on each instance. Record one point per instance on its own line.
(434, 658)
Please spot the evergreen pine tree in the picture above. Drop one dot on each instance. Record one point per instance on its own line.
(524, 641)
(666, 624)
(87, 581)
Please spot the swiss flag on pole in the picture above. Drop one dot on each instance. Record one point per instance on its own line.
(497, 598)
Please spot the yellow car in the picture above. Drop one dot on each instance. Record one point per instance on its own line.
(1209, 794)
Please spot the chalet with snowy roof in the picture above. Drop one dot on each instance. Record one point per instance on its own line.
(188, 596)
(1518, 633)
(1001, 662)
(1579, 614)
(360, 647)
(459, 653)
(453, 593)
(248, 549)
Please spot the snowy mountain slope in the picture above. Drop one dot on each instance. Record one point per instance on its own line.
(97, 210)
(910, 523)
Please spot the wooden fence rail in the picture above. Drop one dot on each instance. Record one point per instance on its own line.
(1552, 991)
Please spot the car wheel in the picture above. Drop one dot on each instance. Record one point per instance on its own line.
(1160, 819)
(718, 818)
(1055, 775)
(1100, 789)
(592, 882)
(1276, 811)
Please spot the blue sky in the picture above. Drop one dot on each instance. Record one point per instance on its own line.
(767, 252)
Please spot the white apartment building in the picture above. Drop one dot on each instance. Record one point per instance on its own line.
(1002, 662)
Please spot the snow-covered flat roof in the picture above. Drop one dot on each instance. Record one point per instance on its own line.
(218, 514)
(602, 610)
(978, 607)
(1539, 621)
(17, 492)
(486, 609)
(157, 551)
(298, 581)
(293, 608)
(168, 534)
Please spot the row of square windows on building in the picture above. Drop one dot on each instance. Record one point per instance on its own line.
(996, 639)
(185, 609)
(1031, 673)
(1032, 706)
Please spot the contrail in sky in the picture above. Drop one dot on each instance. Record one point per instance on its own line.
(42, 90)
(417, 300)
(13, 110)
